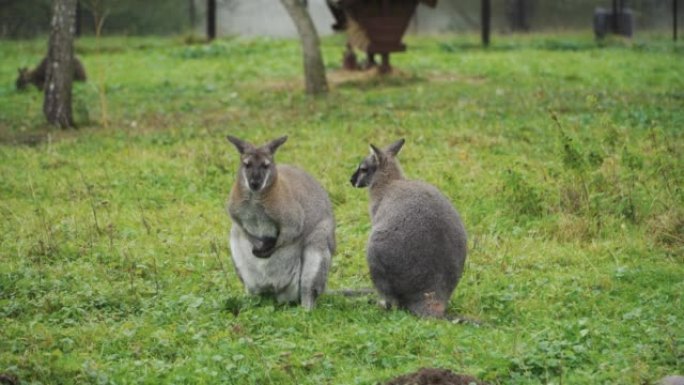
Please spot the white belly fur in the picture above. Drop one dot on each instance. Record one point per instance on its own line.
(279, 274)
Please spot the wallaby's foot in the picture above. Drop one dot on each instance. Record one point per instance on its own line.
(308, 302)
(308, 297)
(288, 294)
(315, 265)
(386, 304)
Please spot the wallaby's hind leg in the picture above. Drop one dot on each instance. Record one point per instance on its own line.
(314, 274)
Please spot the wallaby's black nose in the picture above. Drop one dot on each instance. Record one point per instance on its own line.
(254, 185)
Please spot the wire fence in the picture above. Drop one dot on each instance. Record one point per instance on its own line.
(31, 18)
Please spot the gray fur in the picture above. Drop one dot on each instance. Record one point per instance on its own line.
(671, 380)
(417, 246)
(283, 233)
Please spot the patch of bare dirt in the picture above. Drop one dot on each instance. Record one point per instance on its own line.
(371, 78)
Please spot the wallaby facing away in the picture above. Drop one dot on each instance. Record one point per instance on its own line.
(38, 75)
(417, 246)
(283, 233)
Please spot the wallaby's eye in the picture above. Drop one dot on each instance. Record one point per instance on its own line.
(247, 163)
(265, 165)
(363, 169)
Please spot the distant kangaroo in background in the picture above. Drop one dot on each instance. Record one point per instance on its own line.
(283, 233)
(38, 75)
(417, 247)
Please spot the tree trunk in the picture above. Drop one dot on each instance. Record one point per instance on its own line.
(314, 70)
(60, 73)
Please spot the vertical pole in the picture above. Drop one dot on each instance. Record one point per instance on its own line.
(78, 18)
(211, 19)
(613, 16)
(621, 18)
(486, 18)
(522, 11)
(674, 20)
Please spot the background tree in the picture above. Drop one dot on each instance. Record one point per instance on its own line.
(59, 76)
(314, 70)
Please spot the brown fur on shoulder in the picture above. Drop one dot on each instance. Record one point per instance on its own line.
(37, 76)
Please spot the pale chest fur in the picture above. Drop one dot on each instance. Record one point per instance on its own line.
(252, 217)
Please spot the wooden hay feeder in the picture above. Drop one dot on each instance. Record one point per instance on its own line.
(377, 26)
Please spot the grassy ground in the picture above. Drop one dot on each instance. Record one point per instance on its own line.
(564, 158)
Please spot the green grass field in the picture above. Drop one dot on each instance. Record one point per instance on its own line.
(565, 159)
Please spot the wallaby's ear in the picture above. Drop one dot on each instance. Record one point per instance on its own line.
(377, 153)
(394, 148)
(273, 145)
(241, 145)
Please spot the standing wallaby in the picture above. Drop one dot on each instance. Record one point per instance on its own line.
(283, 233)
(37, 75)
(417, 246)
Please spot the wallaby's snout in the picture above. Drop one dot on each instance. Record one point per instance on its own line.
(363, 174)
(355, 177)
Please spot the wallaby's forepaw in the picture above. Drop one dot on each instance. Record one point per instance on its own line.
(259, 253)
(263, 247)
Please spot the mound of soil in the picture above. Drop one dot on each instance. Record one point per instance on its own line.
(434, 376)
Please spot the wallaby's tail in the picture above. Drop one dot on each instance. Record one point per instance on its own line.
(459, 319)
(351, 292)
